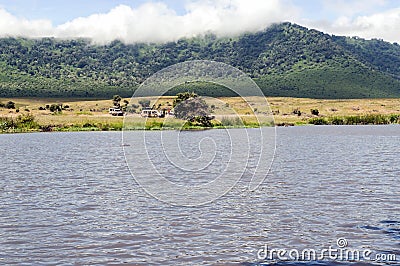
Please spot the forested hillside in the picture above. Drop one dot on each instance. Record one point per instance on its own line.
(284, 59)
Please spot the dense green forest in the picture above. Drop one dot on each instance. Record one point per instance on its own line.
(285, 60)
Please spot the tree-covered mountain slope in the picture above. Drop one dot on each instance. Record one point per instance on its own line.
(285, 60)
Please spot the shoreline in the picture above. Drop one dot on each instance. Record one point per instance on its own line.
(168, 129)
(330, 121)
(31, 114)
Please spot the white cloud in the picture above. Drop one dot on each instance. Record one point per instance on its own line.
(156, 22)
(13, 26)
(148, 23)
(227, 17)
(384, 25)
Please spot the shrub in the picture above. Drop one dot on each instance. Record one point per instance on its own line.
(353, 120)
(394, 119)
(144, 103)
(201, 121)
(315, 112)
(297, 112)
(230, 122)
(25, 119)
(56, 108)
(318, 121)
(10, 105)
(87, 125)
(6, 123)
(337, 121)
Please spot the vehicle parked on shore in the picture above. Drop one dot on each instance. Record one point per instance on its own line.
(150, 112)
(115, 111)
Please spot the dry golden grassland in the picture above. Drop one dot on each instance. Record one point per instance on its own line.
(330, 108)
(283, 108)
(94, 112)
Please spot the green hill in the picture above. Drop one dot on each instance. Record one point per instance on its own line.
(284, 59)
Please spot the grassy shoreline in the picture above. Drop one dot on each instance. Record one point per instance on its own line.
(92, 115)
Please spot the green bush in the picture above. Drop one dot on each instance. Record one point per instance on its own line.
(318, 121)
(297, 112)
(353, 120)
(10, 105)
(56, 108)
(337, 121)
(6, 123)
(88, 125)
(375, 120)
(370, 119)
(27, 121)
(231, 122)
(315, 112)
(394, 118)
(22, 122)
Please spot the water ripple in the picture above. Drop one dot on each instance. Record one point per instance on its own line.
(68, 198)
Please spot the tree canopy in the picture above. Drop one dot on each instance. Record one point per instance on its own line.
(284, 59)
(188, 106)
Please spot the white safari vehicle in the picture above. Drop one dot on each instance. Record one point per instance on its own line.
(150, 113)
(115, 112)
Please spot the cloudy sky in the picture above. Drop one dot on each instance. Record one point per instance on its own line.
(168, 20)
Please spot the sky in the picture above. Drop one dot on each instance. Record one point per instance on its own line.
(133, 21)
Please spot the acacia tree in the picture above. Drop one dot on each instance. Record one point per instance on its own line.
(188, 106)
(180, 97)
(117, 101)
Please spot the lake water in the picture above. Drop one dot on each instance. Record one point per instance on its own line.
(69, 198)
